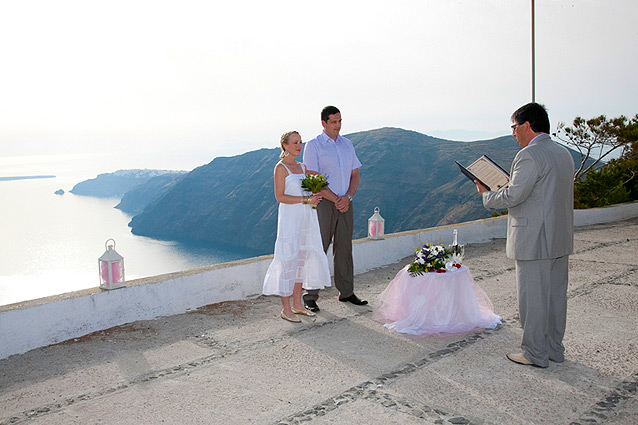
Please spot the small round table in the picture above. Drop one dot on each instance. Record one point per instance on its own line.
(435, 304)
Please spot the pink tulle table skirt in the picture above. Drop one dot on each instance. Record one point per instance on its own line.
(435, 304)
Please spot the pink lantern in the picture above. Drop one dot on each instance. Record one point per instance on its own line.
(111, 267)
(375, 225)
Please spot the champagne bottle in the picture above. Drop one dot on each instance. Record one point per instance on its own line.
(456, 249)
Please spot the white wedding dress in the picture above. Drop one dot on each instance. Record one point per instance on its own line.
(299, 255)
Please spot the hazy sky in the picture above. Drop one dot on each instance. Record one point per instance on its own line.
(209, 78)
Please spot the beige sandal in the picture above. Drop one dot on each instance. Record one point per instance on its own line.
(293, 319)
(303, 312)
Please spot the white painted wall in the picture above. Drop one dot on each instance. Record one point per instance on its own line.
(370, 254)
(32, 324)
(605, 214)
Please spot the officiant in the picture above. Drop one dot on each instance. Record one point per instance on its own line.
(540, 233)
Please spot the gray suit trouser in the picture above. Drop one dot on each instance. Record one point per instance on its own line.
(336, 227)
(542, 305)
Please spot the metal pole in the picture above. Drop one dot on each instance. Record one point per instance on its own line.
(533, 59)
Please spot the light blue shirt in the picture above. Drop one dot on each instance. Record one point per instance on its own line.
(531, 142)
(335, 159)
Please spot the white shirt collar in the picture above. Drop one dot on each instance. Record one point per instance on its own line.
(328, 138)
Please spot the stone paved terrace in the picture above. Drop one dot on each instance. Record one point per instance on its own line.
(239, 363)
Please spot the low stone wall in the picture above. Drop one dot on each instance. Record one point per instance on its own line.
(606, 214)
(37, 323)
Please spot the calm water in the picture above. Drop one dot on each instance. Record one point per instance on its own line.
(51, 243)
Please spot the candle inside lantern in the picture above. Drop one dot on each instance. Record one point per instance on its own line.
(375, 228)
(116, 272)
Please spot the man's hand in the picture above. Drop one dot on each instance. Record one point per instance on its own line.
(342, 203)
(480, 188)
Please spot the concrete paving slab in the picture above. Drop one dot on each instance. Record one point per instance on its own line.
(625, 414)
(488, 387)
(380, 408)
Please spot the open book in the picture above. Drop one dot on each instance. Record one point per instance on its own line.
(487, 172)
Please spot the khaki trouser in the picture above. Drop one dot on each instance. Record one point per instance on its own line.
(336, 227)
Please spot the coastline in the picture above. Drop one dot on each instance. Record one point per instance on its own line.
(26, 177)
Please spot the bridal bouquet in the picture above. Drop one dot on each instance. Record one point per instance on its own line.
(433, 258)
(314, 183)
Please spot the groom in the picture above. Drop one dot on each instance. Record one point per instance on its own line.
(540, 233)
(334, 156)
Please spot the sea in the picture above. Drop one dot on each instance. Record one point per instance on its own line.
(50, 243)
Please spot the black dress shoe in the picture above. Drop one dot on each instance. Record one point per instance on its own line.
(311, 305)
(354, 300)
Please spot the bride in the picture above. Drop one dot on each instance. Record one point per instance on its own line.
(299, 261)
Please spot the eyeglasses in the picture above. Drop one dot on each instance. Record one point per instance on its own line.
(515, 126)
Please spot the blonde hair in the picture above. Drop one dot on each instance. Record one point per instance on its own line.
(284, 141)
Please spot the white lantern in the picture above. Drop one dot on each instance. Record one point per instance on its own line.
(375, 225)
(111, 267)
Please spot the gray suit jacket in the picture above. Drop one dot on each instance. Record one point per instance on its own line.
(540, 200)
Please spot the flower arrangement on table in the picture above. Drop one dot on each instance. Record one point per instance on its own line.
(314, 183)
(433, 258)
